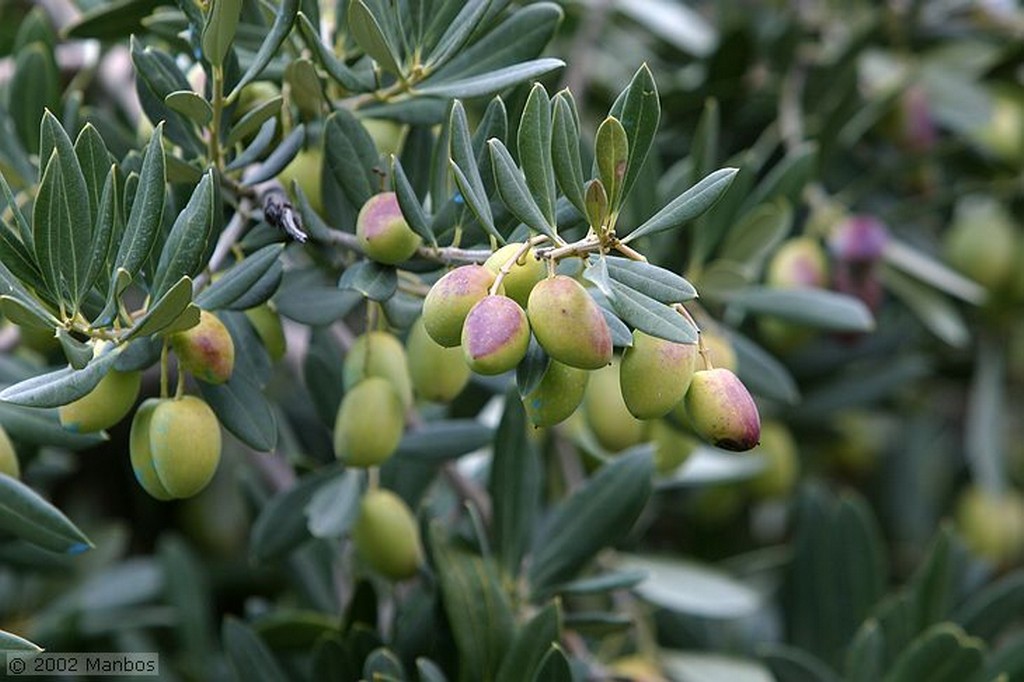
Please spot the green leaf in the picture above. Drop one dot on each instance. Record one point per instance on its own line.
(281, 525)
(657, 282)
(333, 508)
(934, 311)
(334, 67)
(173, 308)
(458, 32)
(787, 179)
(596, 204)
(243, 410)
(478, 611)
(306, 91)
(650, 316)
(944, 653)
(990, 610)
(443, 440)
(412, 210)
(240, 279)
(283, 22)
(865, 657)
(926, 268)
(113, 20)
(254, 120)
(367, 31)
(219, 32)
(487, 84)
(531, 644)
(790, 664)
(95, 162)
(373, 280)
(78, 354)
(554, 667)
(514, 192)
(147, 209)
(28, 516)
(350, 155)
(611, 154)
(530, 371)
(20, 221)
(18, 259)
(62, 232)
(106, 222)
(249, 657)
(565, 151)
(534, 139)
(36, 79)
(758, 234)
(687, 587)
(762, 373)
(638, 108)
(597, 515)
(61, 386)
(36, 426)
(187, 589)
(191, 106)
(158, 75)
(813, 307)
(10, 642)
(688, 205)
(514, 485)
(278, 159)
(428, 671)
(521, 37)
(705, 667)
(306, 298)
(186, 245)
(383, 665)
(30, 315)
(466, 172)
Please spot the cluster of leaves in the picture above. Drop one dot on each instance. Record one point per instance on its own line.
(109, 242)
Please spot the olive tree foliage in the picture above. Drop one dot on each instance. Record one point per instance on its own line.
(573, 552)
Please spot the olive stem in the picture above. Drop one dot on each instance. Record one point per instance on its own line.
(163, 370)
(507, 266)
(217, 90)
(372, 478)
(629, 252)
(701, 348)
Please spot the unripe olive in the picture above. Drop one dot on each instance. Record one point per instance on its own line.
(450, 300)
(557, 395)
(495, 336)
(305, 169)
(103, 406)
(8, 457)
(206, 350)
(778, 452)
(568, 323)
(992, 524)
(379, 354)
(185, 443)
(655, 373)
(859, 440)
(798, 262)
(267, 324)
(672, 447)
(523, 275)
(437, 373)
(369, 424)
(141, 454)
(385, 535)
(982, 242)
(722, 411)
(609, 419)
(382, 231)
(1002, 135)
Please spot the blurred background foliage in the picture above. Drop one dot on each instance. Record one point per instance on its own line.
(877, 533)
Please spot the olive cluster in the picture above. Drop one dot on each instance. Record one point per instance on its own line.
(175, 442)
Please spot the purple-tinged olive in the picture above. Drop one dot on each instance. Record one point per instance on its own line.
(568, 323)
(382, 231)
(722, 411)
(451, 298)
(495, 336)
